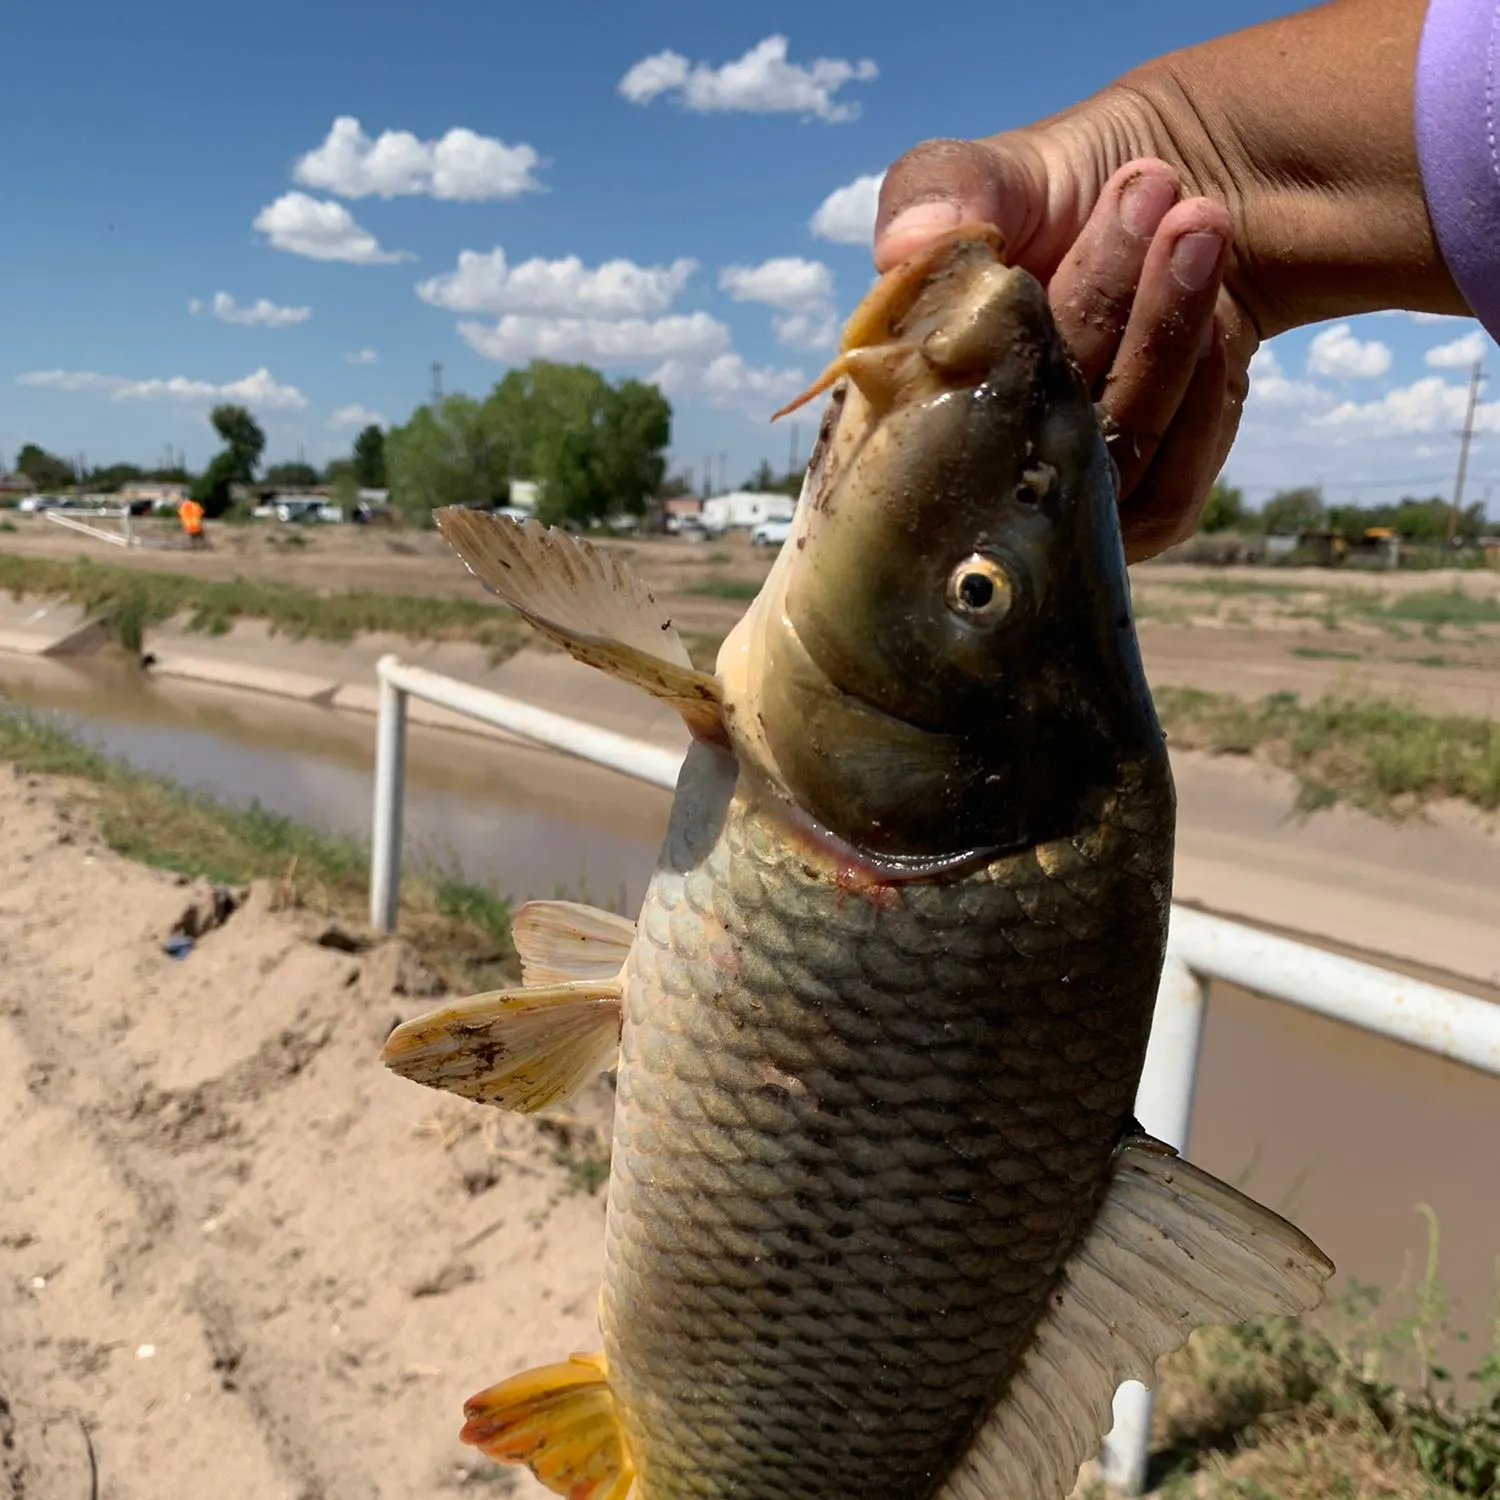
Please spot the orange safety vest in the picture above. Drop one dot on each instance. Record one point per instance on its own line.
(190, 513)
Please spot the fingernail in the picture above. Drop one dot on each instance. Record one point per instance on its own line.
(935, 216)
(1144, 204)
(1195, 258)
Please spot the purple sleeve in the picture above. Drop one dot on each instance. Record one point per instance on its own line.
(1457, 114)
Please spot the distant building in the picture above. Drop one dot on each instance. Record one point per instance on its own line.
(16, 486)
(159, 495)
(523, 493)
(745, 508)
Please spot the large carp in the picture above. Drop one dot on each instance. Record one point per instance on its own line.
(881, 1221)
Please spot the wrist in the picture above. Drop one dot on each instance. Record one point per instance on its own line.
(1303, 129)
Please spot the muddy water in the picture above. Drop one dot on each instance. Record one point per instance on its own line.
(524, 821)
(1345, 1132)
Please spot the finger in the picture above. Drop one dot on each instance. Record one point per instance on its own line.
(1167, 503)
(941, 184)
(1094, 287)
(1169, 324)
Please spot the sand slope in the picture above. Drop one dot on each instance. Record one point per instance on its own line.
(236, 1256)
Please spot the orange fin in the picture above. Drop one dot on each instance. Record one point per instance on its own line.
(561, 1422)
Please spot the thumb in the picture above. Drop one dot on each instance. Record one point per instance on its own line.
(942, 184)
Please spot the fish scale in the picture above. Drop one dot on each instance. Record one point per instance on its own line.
(841, 1190)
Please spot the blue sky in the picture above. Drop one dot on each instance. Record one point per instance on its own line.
(634, 187)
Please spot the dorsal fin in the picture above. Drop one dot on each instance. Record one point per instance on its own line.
(591, 603)
(1172, 1249)
(558, 941)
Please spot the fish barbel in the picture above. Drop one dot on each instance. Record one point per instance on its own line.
(880, 1220)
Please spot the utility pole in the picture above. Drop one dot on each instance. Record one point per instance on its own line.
(708, 477)
(1465, 437)
(791, 460)
(437, 384)
(723, 472)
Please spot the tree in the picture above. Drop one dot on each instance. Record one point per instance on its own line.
(445, 457)
(762, 480)
(114, 477)
(243, 444)
(1223, 510)
(1290, 511)
(47, 470)
(295, 476)
(369, 458)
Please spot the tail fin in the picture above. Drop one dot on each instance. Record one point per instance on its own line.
(561, 1422)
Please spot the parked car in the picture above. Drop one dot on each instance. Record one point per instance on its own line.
(770, 533)
(367, 513)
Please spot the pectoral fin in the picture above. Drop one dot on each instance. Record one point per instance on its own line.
(1171, 1250)
(589, 602)
(516, 1049)
(560, 941)
(560, 1421)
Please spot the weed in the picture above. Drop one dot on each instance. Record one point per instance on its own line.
(135, 600)
(461, 929)
(1382, 756)
(1312, 653)
(727, 588)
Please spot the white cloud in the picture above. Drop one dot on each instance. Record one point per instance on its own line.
(361, 357)
(1461, 352)
(321, 231)
(461, 166)
(355, 417)
(800, 290)
(258, 389)
(517, 338)
(760, 82)
(1336, 352)
(1420, 317)
(788, 283)
(727, 381)
(557, 288)
(1270, 387)
(1426, 405)
(847, 215)
(261, 314)
(806, 331)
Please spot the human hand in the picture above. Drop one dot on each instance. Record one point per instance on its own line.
(1135, 274)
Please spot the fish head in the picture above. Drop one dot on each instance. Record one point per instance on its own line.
(944, 658)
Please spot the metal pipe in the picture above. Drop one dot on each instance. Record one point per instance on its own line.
(649, 763)
(385, 834)
(1164, 1105)
(1452, 1025)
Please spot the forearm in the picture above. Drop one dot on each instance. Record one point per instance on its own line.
(1303, 127)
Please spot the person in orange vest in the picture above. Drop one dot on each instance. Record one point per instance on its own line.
(190, 513)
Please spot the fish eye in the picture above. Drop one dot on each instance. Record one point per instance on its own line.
(1036, 484)
(980, 591)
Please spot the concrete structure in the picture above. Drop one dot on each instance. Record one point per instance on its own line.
(745, 508)
(16, 486)
(162, 495)
(523, 494)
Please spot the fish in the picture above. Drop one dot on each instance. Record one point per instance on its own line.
(881, 1219)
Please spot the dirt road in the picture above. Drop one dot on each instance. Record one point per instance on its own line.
(236, 1256)
(1249, 631)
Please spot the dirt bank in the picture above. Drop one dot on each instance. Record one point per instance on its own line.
(236, 1256)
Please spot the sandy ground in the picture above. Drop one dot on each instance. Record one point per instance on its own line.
(1304, 634)
(236, 1256)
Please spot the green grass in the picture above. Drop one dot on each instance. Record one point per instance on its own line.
(1354, 1405)
(462, 930)
(1312, 653)
(1440, 607)
(727, 588)
(135, 599)
(1385, 757)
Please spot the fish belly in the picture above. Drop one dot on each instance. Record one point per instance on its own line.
(859, 1130)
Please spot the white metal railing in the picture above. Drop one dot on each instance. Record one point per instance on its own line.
(124, 537)
(1200, 948)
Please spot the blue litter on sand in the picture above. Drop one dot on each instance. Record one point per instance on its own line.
(179, 945)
